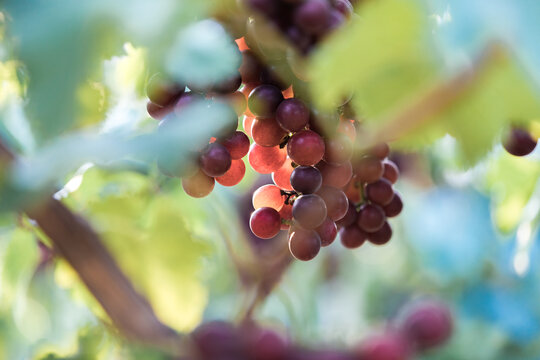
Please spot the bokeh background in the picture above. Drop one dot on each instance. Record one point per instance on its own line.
(72, 103)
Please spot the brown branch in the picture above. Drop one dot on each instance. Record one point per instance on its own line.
(82, 247)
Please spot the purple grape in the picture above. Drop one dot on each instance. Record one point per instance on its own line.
(304, 244)
(264, 100)
(309, 211)
(380, 192)
(292, 115)
(336, 202)
(215, 160)
(394, 207)
(306, 179)
(312, 16)
(371, 218)
(327, 232)
(519, 142)
(350, 217)
(381, 236)
(352, 236)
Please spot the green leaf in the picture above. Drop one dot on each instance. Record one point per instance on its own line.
(382, 56)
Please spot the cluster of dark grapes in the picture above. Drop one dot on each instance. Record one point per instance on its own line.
(304, 22)
(419, 327)
(519, 142)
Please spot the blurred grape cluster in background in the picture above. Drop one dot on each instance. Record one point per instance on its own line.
(73, 108)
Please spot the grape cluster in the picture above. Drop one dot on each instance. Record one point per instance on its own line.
(304, 22)
(519, 142)
(420, 326)
(324, 179)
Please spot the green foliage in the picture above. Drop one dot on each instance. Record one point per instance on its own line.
(394, 64)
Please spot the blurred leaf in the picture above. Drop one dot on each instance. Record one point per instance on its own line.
(512, 181)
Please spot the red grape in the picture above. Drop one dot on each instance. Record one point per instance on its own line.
(304, 244)
(162, 91)
(381, 236)
(264, 100)
(292, 115)
(306, 148)
(282, 177)
(237, 144)
(306, 179)
(247, 123)
(215, 160)
(327, 232)
(312, 16)
(346, 127)
(387, 346)
(266, 160)
(394, 207)
(371, 218)
(368, 169)
(519, 142)
(350, 217)
(265, 223)
(391, 171)
(336, 202)
(198, 185)
(268, 196)
(309, 211)
(380, 150)
(352, 236)
(156, 111)
(338, 150)
(251, 67)
(335, 175)
(267, 132)
(380, 192)
(234, 175)
(427, 324)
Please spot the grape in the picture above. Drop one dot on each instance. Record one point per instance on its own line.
(394, 207)
(267, 132)
(268, 196)
(157, 112)
(385, 346)
(309, 211)
(382, 236)
(286, 214)
(338, 150)
(265, 223)
(162, 91)
(282, 177)
(251, 67)
(380, 151)
(335, 19)
(292, 115)
(264, 100)
(229, 85)
(234, 175)
(266, 7)
(304, 244)
(237, 145)
(325, 124)
(352, 236)
(352, 190)
(336, 202)
(215, 160)
(327, 232)
(391, 171)
(186, 99)
(371, 218)
(335, 175)
(270, 76)
(263, 344)
(265, 160)
(301, 40)
(426, 324)
(306, 179)
(346, 127)
(344, 7)
(380, 192)
(350, 217)
(312, 16)
(198, 185)
(519, 142)
(247, 123)
(368, 169)
(306, 148)
(238, 101)
(216, 338)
